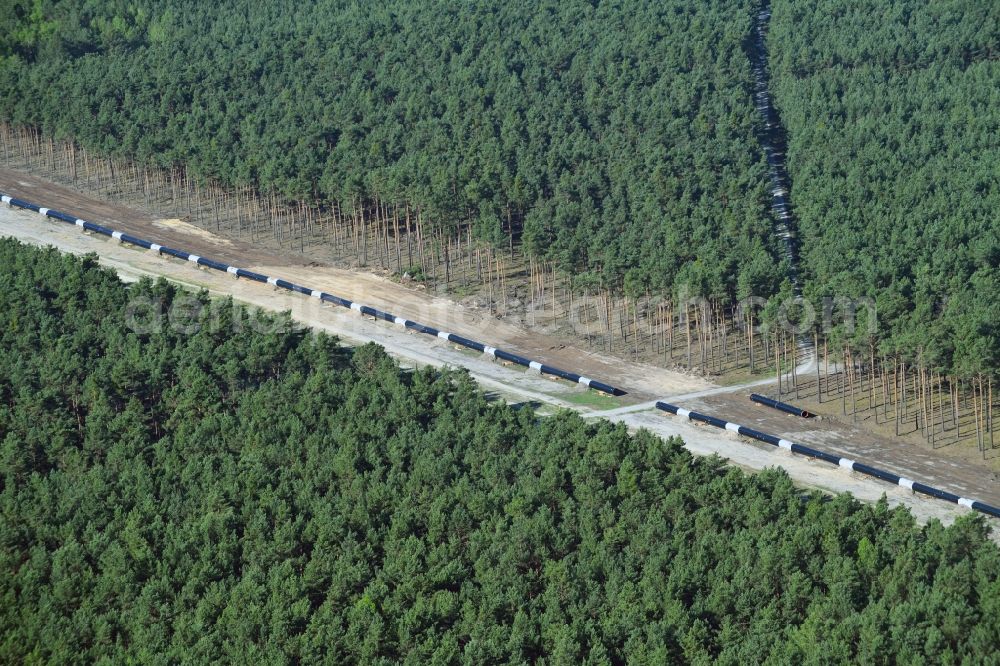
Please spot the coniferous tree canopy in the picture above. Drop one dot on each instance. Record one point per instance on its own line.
(618, 135)
(893, 120)
(229, 487)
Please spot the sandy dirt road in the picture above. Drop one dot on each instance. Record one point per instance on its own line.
(508, 382)
(842, 437)
(645, 381)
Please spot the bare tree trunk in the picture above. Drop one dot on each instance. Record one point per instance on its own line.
(843, 383)
(977, 410)
(851, 380)
(895, 389)
(819, 385)
(989, 408)
(687, 326)
(777, 361)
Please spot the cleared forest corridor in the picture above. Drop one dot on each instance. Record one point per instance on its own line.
(772, 139)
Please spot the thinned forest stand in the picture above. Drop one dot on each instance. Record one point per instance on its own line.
(395, 237)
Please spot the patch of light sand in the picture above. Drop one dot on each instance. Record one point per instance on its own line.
(183, 227)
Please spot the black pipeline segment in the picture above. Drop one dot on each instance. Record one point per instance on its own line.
(513, 358)
(135, 241)
(174, 253)
(61, 216)
(783, 406)
(329, 298)
(935, 492)
(385, 316)
(986, 508)
(570, 376)
(815, 453)
(420, 328)
(96, 228)
(604, 388)
(466, 342)
(211, 263)
(878, 473)
(250, 275)
(711, 420)
(834, 459)
(762, 436)
(20, 203)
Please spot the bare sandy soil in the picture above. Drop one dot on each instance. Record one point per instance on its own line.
(856, 443)
(508, 382)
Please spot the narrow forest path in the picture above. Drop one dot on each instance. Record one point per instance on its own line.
(772, 137)
(773, 140)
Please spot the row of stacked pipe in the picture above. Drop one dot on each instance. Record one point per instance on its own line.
(504, 355)
(321, 295)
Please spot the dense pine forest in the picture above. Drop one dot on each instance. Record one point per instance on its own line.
(893, 119)
(227, 486)
(614, 140)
